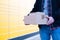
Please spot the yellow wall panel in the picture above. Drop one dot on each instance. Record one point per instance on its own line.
(13, 17)
(3, 24)
(22, 32)
(4, 37)
(3, 31)
(12, 24)
(3, 6)
(4, 17)
(3, 12)
(12, 13)
(13, 29)
(4, 1)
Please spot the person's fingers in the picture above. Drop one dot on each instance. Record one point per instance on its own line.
(50, 21)
(46, 16)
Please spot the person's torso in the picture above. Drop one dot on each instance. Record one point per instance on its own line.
(38, 7)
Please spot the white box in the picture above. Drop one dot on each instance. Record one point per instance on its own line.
(36, 18)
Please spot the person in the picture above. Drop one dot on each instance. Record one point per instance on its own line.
(53, 25)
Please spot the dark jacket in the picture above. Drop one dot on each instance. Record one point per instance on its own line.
(55, 10)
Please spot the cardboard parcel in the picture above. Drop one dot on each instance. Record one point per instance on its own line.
(35, 18)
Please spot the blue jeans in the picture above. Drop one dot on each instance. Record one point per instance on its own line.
(46, 32)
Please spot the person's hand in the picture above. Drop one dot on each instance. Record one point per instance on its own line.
(50, 21)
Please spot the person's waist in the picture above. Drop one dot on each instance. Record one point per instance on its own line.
(52, 28)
